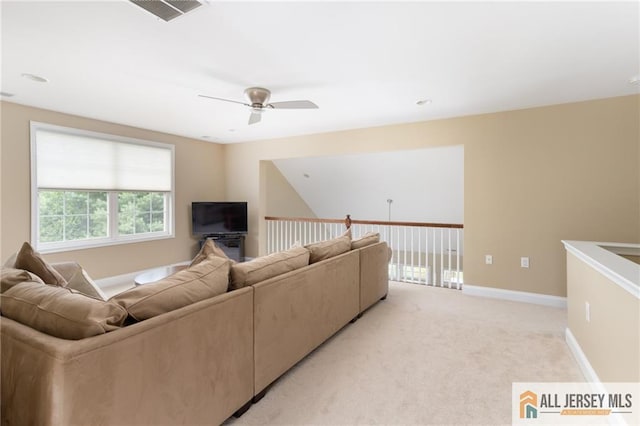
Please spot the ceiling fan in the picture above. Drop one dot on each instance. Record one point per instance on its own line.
(258, 101)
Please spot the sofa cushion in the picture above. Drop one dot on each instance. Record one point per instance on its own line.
(207, 279)
(265, 267)
(366, 240)
(330, 248)
(208, 248)
(30, 260)
(59, 311)
(13, 276)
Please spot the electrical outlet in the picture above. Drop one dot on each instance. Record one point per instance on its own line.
(587, 311)
(524, 262)
(488, 259)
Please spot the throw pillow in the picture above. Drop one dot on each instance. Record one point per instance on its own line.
(59, 311)
(11, 261)
(366, 240)
(208, 248)
(265, 267)
(330, 248)
(82, 282)
(31, 261)
(207, 279)
(12, 276)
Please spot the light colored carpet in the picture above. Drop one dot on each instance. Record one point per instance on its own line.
(423, 356)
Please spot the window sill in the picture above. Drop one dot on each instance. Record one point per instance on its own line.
(97, 244)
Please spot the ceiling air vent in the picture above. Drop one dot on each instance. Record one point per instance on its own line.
(167, 9)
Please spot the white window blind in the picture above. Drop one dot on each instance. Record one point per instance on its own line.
(82, 162)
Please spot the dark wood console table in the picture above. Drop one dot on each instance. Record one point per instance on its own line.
(231, 244)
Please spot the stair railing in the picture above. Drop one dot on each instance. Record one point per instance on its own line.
(423, 253)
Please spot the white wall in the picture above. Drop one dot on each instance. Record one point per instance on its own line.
(426, 185)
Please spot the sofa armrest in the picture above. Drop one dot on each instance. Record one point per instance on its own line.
(374, 274)
(193, 365)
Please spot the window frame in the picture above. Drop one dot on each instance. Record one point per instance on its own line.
(113, 237)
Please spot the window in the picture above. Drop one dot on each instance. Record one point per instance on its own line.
(91, 189)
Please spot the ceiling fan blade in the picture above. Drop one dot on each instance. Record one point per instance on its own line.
(293, 105)
(255, 117)
(222, 99)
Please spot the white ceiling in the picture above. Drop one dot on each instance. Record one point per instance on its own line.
(364, 63)
(425, 185)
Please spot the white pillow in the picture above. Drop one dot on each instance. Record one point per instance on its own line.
(82, 282)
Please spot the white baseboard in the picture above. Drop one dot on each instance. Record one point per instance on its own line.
(590, 374)
(585, 366)
(516, 296)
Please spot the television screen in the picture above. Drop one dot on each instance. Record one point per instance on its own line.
(211, 218)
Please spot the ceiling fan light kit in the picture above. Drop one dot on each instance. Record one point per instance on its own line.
(258, 101)
(257, 96)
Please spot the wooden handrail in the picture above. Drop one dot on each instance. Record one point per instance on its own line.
(304, 219)
(348, 221)
(416, 224)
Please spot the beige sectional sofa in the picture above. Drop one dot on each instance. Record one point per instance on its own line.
(196, 364)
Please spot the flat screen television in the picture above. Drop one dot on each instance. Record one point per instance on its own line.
(215, 218)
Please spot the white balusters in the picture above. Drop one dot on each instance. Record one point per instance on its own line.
(422, 254)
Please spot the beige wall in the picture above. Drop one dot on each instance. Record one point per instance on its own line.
(280, 197)
(613, 331)
(200, 174)
(532, 178)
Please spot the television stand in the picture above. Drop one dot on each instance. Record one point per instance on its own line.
(231, 244)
